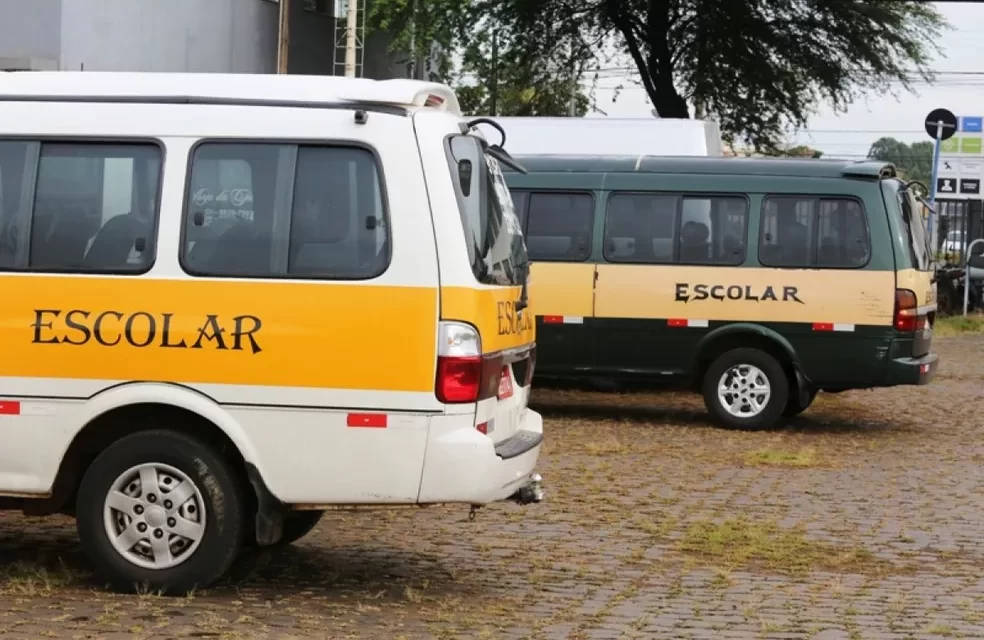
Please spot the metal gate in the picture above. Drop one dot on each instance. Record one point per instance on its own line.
(956, 225)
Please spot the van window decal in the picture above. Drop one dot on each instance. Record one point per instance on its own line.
(141, 329)
(685, 292)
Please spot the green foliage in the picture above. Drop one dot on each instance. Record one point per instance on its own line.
(913, 161)
(758, 66)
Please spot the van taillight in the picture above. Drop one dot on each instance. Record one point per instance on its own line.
(463, 374)
(906, 311)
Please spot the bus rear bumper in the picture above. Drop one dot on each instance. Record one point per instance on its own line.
(463, 465)
(912, 371)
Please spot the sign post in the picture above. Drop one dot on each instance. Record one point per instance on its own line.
(941, 124)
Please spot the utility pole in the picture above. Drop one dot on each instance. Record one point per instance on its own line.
(494, 92)
(283, 30)
(351, 23)
(413, 40)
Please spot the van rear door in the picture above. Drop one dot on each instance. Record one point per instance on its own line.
(483, 279)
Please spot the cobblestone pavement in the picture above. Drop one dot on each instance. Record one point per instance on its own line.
(861, 520)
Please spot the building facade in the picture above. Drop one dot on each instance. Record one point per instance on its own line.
(233, 36)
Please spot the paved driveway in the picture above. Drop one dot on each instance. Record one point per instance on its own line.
(862, 520)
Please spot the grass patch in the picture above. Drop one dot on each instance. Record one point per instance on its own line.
(737, 542)
(34, 578)
(780, 458)
(958, 325)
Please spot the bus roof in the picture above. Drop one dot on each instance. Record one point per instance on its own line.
(262, 89)
(793, 167)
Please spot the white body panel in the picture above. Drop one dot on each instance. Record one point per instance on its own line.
(298, 438)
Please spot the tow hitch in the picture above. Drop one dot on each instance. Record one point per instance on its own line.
(531, 492)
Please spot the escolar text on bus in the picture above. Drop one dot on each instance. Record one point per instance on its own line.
(143, 329)
(685, 292)
(512, 322)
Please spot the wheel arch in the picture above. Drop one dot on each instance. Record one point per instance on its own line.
(132, 407)
(751, 335)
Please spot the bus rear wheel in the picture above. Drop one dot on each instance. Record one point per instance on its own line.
(746, 388)
(161, 511)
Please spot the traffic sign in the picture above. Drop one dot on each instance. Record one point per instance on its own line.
(970, 186)
(949, 121)
(971, 124)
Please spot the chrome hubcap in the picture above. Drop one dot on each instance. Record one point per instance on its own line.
(154, 516)
(744, 391)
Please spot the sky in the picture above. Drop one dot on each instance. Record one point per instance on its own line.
(959, 87)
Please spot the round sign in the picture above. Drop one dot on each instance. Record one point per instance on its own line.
(945, 116)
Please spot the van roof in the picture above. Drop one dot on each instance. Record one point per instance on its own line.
(792, 167)
(223, 88)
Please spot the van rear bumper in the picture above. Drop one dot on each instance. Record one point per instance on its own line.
(912, 371)
(463, 465)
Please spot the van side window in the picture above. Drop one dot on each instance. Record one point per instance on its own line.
(559, 226)
(713, 230)
(640, 227)
(78, 207)
(281, 210)
(521, 200)
(805, 231)
(669, 228)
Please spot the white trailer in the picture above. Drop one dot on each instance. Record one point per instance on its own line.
(609, 136)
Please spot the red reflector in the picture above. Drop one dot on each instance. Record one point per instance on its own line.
(553, 319)
(483, 428)
(370, 420)
(9, 408)
(823, 326)
(676, 322)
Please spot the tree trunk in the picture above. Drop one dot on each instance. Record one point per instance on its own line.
(666, 99)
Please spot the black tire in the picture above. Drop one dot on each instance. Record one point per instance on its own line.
(298, 524)
(221, 497)
(795, 406)
(776, 377)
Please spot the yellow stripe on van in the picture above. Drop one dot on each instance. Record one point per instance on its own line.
(860, 297)
(563, 289)
(493, 312)
(223, 332)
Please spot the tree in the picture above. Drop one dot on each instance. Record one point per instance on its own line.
(498, 71)
(758, 66)
(913, 161)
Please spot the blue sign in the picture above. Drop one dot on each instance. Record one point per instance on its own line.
(971, 124)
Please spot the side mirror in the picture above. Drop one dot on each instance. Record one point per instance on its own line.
(465, 176)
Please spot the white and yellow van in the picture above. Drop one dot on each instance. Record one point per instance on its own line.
(232, 302)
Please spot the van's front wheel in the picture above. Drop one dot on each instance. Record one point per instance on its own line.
(160, 510)
(746, 389)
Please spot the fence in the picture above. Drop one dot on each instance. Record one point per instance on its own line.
(956, 225)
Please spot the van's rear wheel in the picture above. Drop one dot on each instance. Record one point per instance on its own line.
(746, 389)
(298, 524)
(160, 510)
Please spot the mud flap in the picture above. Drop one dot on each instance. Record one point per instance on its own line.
(269, 526)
